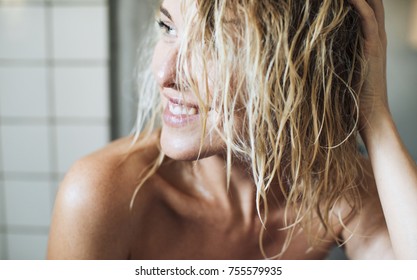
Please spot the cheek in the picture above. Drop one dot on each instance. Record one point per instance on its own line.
(157, 60)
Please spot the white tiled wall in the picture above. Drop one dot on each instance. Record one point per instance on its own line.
(54, 108)
(2, 246)
(75, 36)
(73, 84)
(79, 139)
(21, 88)
(2, 212)
(25, 148)
(22, 32)
(22, 208)
(24, 246)
(2, 225)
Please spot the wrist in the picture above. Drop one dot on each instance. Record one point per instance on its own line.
(374, 126)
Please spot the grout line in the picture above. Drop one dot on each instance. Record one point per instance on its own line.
(31, 176)
(53, 129)
(51, 62)
(77, 3)
(21, 229)
(13, 3)
(23, 121)
(80, 121)
(113, 69)
(68, 3)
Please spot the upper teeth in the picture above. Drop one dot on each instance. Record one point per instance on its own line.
(178, 109)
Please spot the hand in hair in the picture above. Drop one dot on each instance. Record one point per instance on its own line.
(373, 94)
(394, 170)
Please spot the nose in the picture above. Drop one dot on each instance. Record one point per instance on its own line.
(165, 67)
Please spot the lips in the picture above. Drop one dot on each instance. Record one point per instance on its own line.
(179, 114)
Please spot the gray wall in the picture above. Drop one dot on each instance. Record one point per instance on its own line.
(129, 20)
(402, 71)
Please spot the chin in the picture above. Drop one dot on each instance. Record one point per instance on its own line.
(183, 146)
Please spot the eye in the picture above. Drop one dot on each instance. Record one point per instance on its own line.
(166, 28)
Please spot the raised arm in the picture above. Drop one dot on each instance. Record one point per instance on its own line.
(394, 170)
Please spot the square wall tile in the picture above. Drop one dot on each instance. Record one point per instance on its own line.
(75, 142)
(23, 92)
(3, 246)
(25, 148)
(82, 92)
(22, 32)
(27, 246)
(2, 207)
(28, 203)
(80, 32)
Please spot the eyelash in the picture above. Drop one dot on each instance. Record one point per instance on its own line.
(167, 29)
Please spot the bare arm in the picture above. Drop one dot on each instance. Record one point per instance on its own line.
(394, 170)
(396, 178)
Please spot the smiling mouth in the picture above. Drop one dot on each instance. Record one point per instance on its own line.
(178, 115)
(178, 109)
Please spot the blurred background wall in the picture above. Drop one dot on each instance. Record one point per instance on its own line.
(129, 21)
(54, 108)
(67, 83)
(402, 68)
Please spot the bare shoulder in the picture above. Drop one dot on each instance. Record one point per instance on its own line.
(91, 218)
(367, 234)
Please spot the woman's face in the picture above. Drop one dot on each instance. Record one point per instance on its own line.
(182, 128)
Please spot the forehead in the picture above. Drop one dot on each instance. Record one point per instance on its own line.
(179, 11)
(170, 8)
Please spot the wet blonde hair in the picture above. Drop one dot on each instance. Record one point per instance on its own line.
(291, 72)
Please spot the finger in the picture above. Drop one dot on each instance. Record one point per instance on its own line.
(378, 7)
(368, 18)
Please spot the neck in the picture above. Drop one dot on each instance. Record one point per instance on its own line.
(212, 171)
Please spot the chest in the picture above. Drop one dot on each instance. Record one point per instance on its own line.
(169, 236)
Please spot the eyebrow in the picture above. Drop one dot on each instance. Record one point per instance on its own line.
(165, 12)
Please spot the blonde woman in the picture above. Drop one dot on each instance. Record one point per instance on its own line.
(251, 150)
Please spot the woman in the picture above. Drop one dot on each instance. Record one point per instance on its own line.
(256, 157)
